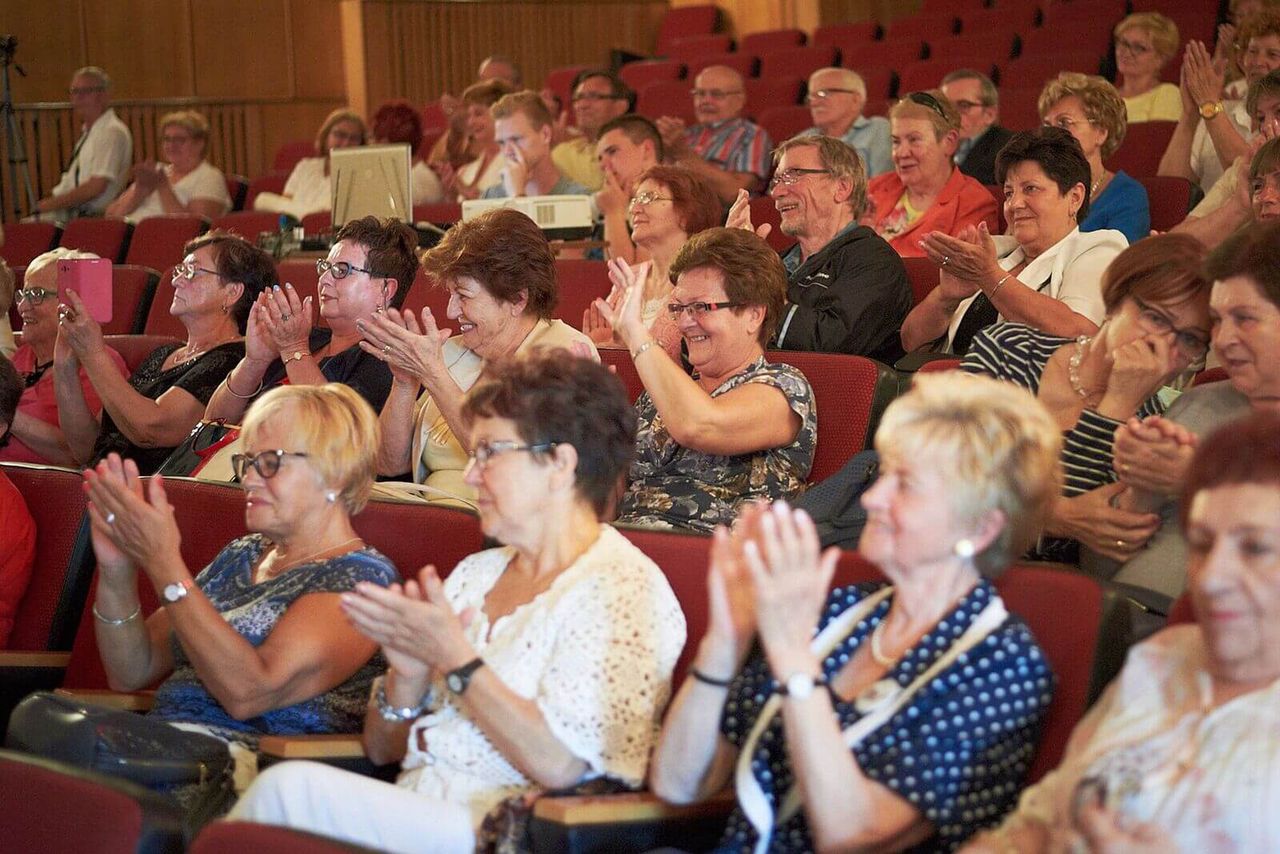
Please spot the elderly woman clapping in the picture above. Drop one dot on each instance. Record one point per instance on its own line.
(850, 740)
(254, 643)
(1046, 274)
(535, 665)
(186, 183)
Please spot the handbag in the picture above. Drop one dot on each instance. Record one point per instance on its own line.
(835, 504)
(197, 770)
(206, 453)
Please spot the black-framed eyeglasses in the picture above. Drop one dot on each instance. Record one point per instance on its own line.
(485, 451)
(924, 99)
(596, 96)
(714, 94)
(33, 295)
(340, 269)
(824, 94)
(966, 106)
(189, 270)
(787, 177)
(265, 463)
(697, 309)
(1155, 322)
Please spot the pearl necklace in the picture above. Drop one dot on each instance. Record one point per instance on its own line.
(877, 654)
(1093, 188)
(275, 571)
(1073, 367)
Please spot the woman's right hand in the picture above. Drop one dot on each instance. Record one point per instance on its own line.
(257, 340)
(1138, 370)
(413, 352)
(1090, 519)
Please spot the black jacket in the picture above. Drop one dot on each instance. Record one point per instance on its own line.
(850, 297)
(980, 163)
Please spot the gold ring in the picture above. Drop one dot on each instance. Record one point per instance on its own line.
(1119, 544)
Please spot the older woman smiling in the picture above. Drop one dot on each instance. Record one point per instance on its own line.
(184, 183)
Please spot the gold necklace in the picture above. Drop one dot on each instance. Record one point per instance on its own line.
(877, 654)
(276, 571)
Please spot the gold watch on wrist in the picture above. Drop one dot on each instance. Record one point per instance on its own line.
(1209, 109)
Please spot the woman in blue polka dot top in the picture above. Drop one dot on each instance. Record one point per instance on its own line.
(910, 719)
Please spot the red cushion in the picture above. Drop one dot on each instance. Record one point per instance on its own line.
(53, 812)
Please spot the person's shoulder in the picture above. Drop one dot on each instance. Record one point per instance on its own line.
(1122, 180)
(1219, 402)
(787, 378)
(556, 333)
(1009, 335)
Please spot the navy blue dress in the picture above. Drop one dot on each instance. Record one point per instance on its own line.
(253, 611)
(959, 750)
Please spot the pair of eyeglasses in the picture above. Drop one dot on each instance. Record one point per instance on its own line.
(646, 197)
(924, 99)
(714, 94)
(697, 310)
(1066, 122)
(189, 270)
(175, 140)
(595, 96)
(824, 94)
(339, 269)
(33, 295)
(966, 106)
(485, 451)
(265, 463)
(1187, 341)
(1132, 47)
(1260, 182)
(86, 90)
(787, 177)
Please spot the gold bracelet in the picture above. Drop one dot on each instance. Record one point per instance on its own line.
(639, 351)
(97, 615)
(999, 285)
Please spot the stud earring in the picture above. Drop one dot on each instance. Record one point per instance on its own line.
(964, 548)
(331, 496)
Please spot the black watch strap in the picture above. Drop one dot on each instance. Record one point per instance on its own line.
(458, 680)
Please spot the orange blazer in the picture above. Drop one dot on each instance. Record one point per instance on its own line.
(963, 201)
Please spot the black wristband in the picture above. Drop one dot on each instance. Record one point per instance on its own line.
(709, 680)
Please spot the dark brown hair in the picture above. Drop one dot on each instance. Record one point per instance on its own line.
(1164, 268)
(392, 247)
(238, 260)
(696, 204)
(1055, 151)
(637, 129)
(486, 93)
(753, 272)
(505, 252)
(1250, 252)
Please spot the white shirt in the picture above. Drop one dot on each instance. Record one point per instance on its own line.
(426, 186)
(1205, 164)
(106, 152)
(306, 191)
(206, 181)
(594, 651)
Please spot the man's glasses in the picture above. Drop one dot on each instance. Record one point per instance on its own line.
(1153, 321)
(824, 94)
(966, 106)
(787, 177)
(595, 96)
(86, 90)
(189, 270)
(697, 310)
(485, 451)
(265, 463)
(339, 269)
(714, 94)
(646, 197)
(33, 295)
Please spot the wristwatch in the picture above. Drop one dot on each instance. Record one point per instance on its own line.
(1209, 109)
(458, 680)
(295, 356)
(801, 685)
(175, 592)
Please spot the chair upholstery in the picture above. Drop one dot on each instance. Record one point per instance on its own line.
(272, 183)
(560, 81)
(106, 238)
(891, 53)
(443, 214)
(638, 74)
(797, 61)
(442, 536)
(975, 49)
(686, 22)
(23, 241)
(619, 361)
(238, 837)
(1144, 144)
(1073, 37)
(1169, 198)
(927, 28)
(159, 320)
(743, 63)
(934, 366)
(247, 224)
(157, 241)
(928, 73)
(767, 41)
(238, 190)
(301, 273)
(1210, 375)
(317, 222)
(59, 809)
(780, 91)
(133, 289)
(426, 292)
(136, 348)
(923, 275)
(578, 284)
(690, 47)
(763, 210)
(666, 98)
(1031, 70)
(289, 153)
(1182, 612)
(846, 34)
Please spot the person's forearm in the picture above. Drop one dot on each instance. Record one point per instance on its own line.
(397, 421)
(1176, 161)
(126, 650)
(139, 418)
(1227, 141)
(231, 398)
(1215, 226)
(928, 321)
(618, 238)
(1019, 304)
(127, 202)
(448, 398)
(44, 439)
(76, 196)
(386, 741)
(689, 413)
(78, 423)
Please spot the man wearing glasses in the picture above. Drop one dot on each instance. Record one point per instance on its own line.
(836, 99)
(728, 150)
(100, 161)
(598, 97)
(981, 139)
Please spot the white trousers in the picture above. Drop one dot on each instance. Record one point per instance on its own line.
(342, 805)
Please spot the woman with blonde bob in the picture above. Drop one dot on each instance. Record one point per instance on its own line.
(255, 643)
(308, 189)
(822, 730)
(1145, 42)
(185, 183)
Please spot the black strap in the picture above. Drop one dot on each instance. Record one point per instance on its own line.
(980, 314)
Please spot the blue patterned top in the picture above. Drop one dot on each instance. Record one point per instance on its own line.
(959, 750)
(253, 611)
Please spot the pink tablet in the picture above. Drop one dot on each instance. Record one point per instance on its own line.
(91, 279)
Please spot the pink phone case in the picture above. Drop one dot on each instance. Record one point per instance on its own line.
(91, 279)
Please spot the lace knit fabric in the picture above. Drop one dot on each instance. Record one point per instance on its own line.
(594, 651)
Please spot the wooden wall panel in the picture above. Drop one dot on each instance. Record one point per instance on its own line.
(317, 49)
(243, 49)
(49, 46)
(145, 46)
(750, 16)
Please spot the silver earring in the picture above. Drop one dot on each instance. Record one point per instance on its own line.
(964, 548)
(331, 496)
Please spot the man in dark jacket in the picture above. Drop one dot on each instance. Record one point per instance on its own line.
(847, 290)
(981, 139)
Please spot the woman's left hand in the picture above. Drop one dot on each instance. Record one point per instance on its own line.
(969, 256)
(412, 351)
(790, 574)
(141, 526)
(288, 320)
(80, 331)
(626, 319)
(423, 627)
(1138, 370)
(1105, 831)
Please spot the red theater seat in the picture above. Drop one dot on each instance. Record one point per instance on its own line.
(106, 238)
(23, 241)
(686, 22)
(770, 40)
(157, 241)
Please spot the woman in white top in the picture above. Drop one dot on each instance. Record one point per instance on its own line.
(532, 666)
(1145, 42)
(308, 189)
(1046, 274)
(501, 277)
(185, 183)
(485, 169)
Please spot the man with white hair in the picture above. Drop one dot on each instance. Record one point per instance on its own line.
(36, 432)
(836, 99)
(101, 158)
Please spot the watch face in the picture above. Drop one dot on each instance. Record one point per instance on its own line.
(800, 686)
(174, 592)
(455, 683)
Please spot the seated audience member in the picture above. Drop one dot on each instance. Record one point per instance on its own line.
(1145, 42)
(1264, 182)
(369, 269)
(628, 146)
(977, 101)
(533, 666)
(308, 189)
(35, 431)
(398, 122)
(1045, 273)
(454, 148)
(728, 150)
(1090, 109)
(1178, 754)
(671, 204)
(738, 429)
(836, 98)
(1228, 204)
(254, 644)
(1228, 49)
(17, 528)
(482, 159)
(847, 289)
(925, 191)
(99, 162)
(1213, 132)
(598, 97)
(146, 416)
(1151, 457)
(8, 282)
(185, 183)
(523, 129)
(839, 739)
(1156, 327)
(501, 277)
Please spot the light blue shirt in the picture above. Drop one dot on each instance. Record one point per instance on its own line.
(869, 136)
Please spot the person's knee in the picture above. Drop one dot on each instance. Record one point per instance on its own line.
(268, 798)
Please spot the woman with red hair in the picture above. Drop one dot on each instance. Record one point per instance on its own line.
(397, 121)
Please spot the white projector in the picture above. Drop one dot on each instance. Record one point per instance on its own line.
(561, 217)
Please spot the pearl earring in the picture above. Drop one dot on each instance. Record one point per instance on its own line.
(964, 548)
(331, 496)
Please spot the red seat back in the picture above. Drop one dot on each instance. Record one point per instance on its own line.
(892, 54)
(780, 91)
(442, 536)
(797, 61)
(1210, 375)
(238, 190)
(926, 28)
(1169, 199)
(135, 348)
(618, 360)
(972, 49)
(938, 366)
(688, 48)
(23, 241)
(159, 320)
(743, 63)
(560, 81)
(923, 275)
(289, 153)
(685, 22)
(850, 34)
(1032, 70)
(301, 273)
(443, 214)
(1182, 611)
(1019, 106)
(317, 222)
(682, 557)
(133, 289)
(247, 224)
(763, 210)
(666, 98)
(428, 293)
(578, 284)
(638, 74)
(1144, 144)
(767, 41)
(106, 238)
(50, 610)
(237, 837)
(157, 241)
(273, 183)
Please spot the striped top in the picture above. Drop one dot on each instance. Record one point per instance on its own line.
(735, 145)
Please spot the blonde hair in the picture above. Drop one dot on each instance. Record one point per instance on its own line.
(342, 114)
(336, 428)
(999, 443)
(1102, 104)
(527, 102)
(1163, 32)
(944, 119)
(53, 256)
(191, 121)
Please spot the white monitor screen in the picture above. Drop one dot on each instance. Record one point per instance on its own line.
(371, 180)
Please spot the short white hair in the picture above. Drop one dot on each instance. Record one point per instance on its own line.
(103, 78)
(852, 79)
(53, 256)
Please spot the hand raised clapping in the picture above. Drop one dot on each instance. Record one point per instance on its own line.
(286, 319)
(414, 352)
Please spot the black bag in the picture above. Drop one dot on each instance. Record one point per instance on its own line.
(835, 504)
(200, 447)
(195, 769)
